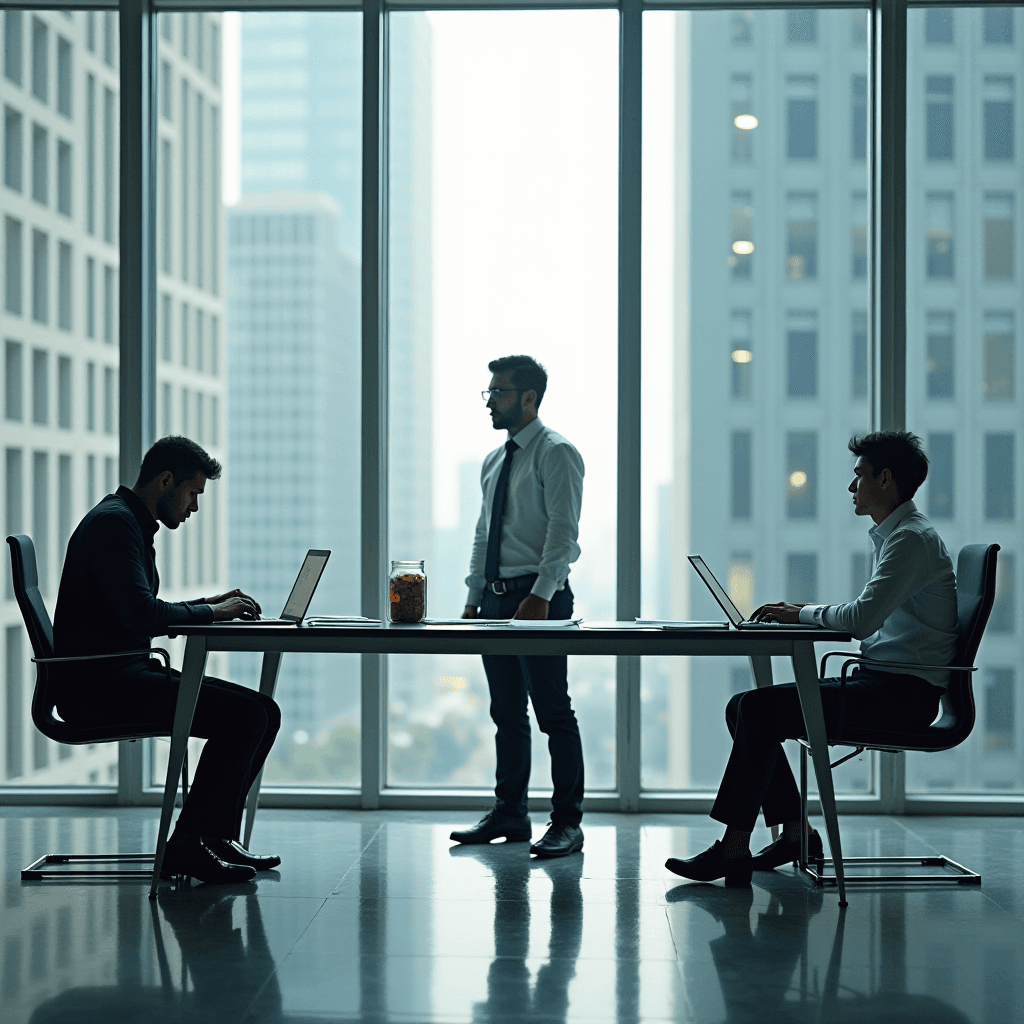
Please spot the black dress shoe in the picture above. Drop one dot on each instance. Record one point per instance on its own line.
(559, 841)
(787, 851)
(232, 852)
(713, 864)
(190, 856)
(496, 826)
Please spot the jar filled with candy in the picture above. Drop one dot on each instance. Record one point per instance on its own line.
(407, 592)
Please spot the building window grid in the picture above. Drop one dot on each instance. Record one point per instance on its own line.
(737, 41)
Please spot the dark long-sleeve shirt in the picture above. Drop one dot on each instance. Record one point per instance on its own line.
(108, 600)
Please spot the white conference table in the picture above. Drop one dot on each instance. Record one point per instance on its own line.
(623, 638)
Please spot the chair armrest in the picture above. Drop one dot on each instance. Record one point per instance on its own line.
(158, 651)
(855, 658)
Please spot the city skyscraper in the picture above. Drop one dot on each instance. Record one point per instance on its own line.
(293, 352)
(772, 332)
(59, 320)
(301, 79)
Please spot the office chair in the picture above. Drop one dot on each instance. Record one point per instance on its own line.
(25, 578)
(975, 589)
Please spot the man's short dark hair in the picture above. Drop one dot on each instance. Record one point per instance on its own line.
(527, 374)
(898, 451)
(182, 456)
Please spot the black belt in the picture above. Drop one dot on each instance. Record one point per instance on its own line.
(500, 587)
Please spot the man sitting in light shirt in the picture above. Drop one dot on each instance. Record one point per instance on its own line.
(906, 613)
(519, 567)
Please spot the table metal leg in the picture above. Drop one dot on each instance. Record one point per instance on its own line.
(268, 686)
(806, 672)
(761, 667)
(184, 710)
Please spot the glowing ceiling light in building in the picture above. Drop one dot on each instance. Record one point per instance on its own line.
(743, 248)
(742, 355)
(745, 121)
(797, 479)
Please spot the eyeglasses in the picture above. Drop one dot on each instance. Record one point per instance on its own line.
(494, 394)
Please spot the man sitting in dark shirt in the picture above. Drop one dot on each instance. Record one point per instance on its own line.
(108, 602)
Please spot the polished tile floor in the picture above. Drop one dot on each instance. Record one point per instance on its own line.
(375, 916)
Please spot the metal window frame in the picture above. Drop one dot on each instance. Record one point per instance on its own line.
(887, 346)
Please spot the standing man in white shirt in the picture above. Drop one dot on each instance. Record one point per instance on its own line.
(906, 613)
(525, 541)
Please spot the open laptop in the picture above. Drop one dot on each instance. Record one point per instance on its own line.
(719, 593)
(305, 585)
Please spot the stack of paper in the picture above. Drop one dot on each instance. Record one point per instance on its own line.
(543, 623)
(341, 620)
(680, 624)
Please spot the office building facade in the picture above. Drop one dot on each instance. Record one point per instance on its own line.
(772, 357)
(300, 132)
(293, 352)
(59, 319)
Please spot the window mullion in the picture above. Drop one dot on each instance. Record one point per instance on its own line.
(889, 277)
(137, 217)
(627, 719)
(374, 474)
(889, 270)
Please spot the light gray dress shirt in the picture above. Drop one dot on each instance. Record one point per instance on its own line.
(542, 512)
(907, 611)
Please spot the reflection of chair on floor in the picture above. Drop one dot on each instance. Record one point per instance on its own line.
(765, 957)
(881, 1007)
(214, 958)
(25, 578)
(769, 974)
(975, 593)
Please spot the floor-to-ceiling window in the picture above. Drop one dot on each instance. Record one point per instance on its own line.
(60, 99)
(964, 318)
(502, 205)
(755, 344)
(258, 221)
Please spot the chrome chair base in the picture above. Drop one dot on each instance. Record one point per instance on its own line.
(953, 872)
(950, 871)
(39, 869)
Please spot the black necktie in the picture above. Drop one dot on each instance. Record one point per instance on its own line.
(497, 513)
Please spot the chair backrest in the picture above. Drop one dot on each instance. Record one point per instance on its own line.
(975, 594)
(25, 577)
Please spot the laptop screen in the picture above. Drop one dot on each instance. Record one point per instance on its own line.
(296, 606)
(716, 588)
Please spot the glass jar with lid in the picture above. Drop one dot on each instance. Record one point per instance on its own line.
(407, 592)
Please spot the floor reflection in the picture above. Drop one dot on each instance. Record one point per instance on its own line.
(212, 958)
(768, 971)
(510, 991)
(376, 919)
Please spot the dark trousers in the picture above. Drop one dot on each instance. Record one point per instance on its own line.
(545, 680)
(238, 724)
(758, 776)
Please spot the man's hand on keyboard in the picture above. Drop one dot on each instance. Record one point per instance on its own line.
(234, 605)
(781, 611)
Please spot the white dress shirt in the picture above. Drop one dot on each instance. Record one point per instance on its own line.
(542, 512)
(907, 611)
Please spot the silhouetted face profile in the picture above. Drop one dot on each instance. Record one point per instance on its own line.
(508, 411)
(176, 504)
(869, 492)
